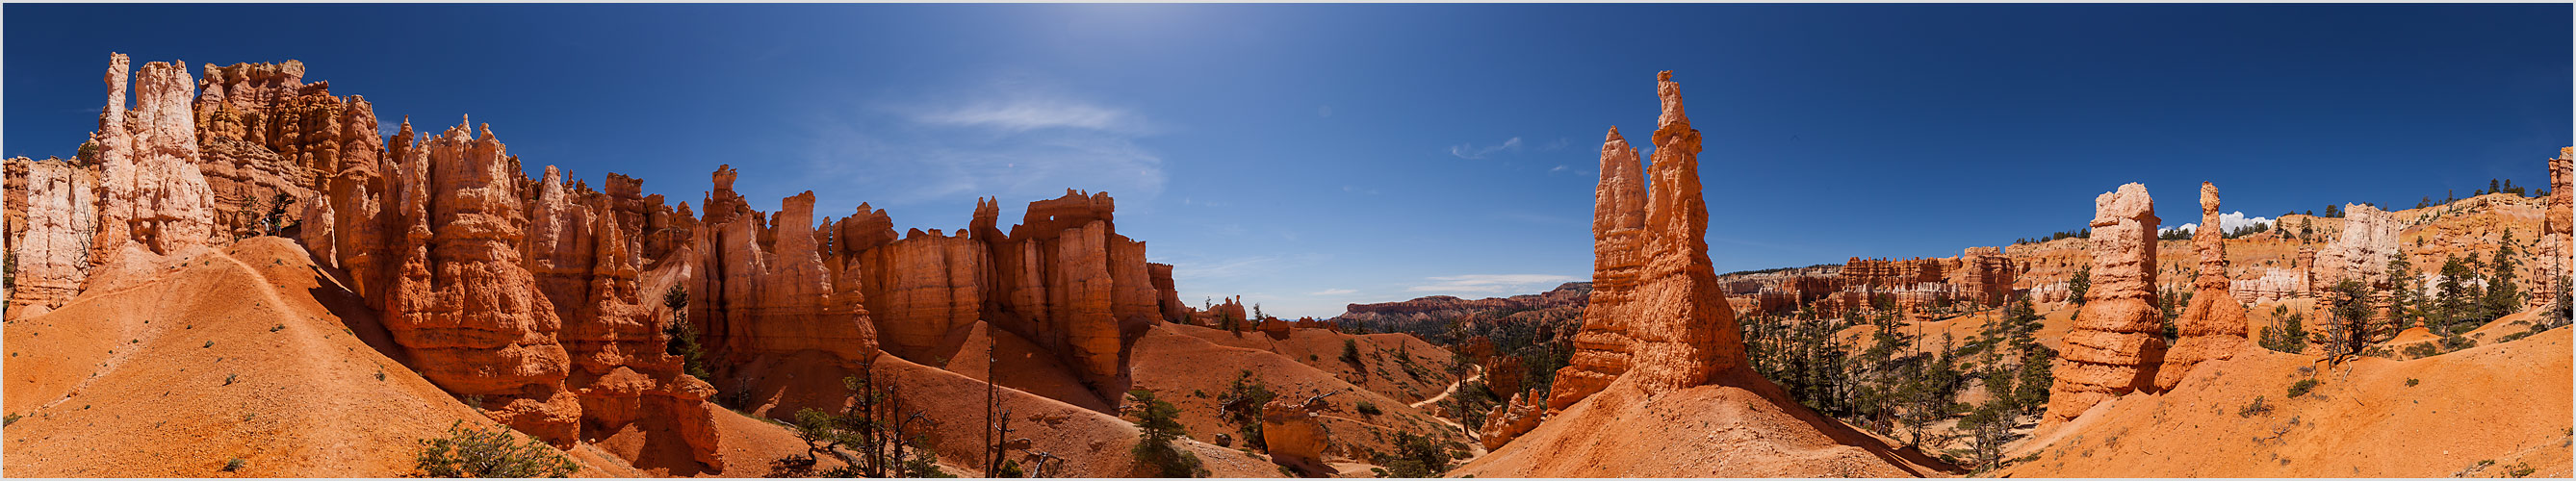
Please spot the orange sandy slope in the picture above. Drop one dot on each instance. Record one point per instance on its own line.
(1718, 430)
(1182, 366)
(2506, 402)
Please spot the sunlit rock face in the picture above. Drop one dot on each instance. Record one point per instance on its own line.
(1657, 312)
(2213, 326)
(2113, 348)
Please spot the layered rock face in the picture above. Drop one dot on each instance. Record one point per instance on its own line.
(923, 286)
(1682, 329)
(2555, 229)
(764, 287)
(1985, 275)
(585, 265)
(2361, 252)
(2213, 326)
(52, 253)
(1662, 319)
(1618, 231)
(151, 192)
(2113, 346)
(1571, 295)
(265, 132)
(459, 298)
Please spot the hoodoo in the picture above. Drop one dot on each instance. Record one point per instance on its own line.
(2113, 349)
(1659, 361)
(2213, 326)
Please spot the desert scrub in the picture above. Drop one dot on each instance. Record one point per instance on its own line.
(476, 453)
(2302, 387)
(12, 419)
(2254, 408)
(1368, 408)
(235, 464)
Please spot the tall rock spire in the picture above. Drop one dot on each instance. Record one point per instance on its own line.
(1684, 331)
(1656, 313)
(1618, 233)
(2213, 326)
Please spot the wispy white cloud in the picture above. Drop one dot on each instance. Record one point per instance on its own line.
(1559, 168)
(1030, 113)
(2226, 222)
(1559, 143)
(1025, 142)
(1331, 292)
(1490, 283)
(1472, 152)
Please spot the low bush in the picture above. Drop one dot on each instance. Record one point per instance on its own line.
(2302, 387)
(2255, 408)
(475, 453)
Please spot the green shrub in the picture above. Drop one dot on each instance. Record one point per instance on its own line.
(1351, 351)
(476, 453)
(2302, 387)
(2255, 408)
(228, 378)
(2410, 382)
(12, 419)
(1369, 408)
(235, 464)
(1157, 424)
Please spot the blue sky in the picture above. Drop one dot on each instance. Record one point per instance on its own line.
(1309, 156)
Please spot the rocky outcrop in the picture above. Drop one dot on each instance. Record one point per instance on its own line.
(2213, 326)
(460, 300)
(2113, 348)
(1662, 319)
(1504, 374)
(1568, 296)
(2275, 285)
(578, 249)
(1294, 434)
(2361, 252)
(1223, 314)
(52, 254)
(265, 132)
(764, 286)
(1884, 272)
(1601, 347)
(1985, 275)
(1166, 294)
(921, 287)
(151, 192)
(2555, 232)
(1510, 420)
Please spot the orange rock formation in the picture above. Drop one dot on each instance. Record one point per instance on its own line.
(1660, 314)
(2213, 326)
(2115, 334)
(1618, 231)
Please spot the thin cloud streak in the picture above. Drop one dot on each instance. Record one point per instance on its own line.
(1472, 152)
